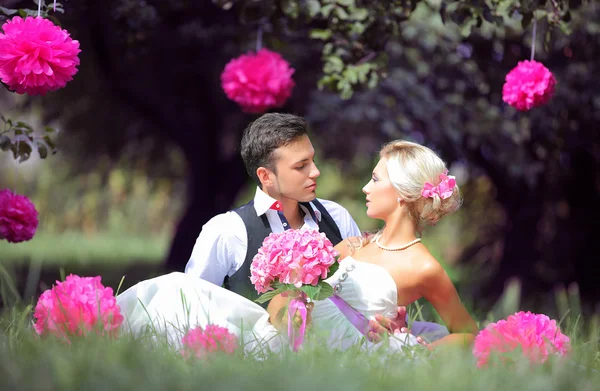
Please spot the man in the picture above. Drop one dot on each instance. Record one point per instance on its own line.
(279, 156)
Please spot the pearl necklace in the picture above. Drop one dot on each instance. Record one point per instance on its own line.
(403, 247)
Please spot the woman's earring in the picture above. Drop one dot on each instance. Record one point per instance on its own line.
(399, 199)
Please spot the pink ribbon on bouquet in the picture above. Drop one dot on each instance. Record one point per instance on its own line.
(297, 304)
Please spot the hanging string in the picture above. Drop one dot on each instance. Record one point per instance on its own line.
(259, 38)
(533, 38)
(39, 7)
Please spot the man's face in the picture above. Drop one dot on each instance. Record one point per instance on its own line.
(295, 174)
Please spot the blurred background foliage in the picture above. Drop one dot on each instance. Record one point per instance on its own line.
(148, 142)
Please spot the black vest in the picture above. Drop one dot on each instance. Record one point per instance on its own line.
(257, 229)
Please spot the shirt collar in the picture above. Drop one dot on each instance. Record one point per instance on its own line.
(263, 202)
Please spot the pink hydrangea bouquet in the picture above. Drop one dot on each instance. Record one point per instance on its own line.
(76, 307)
(535, 335)
(294, 261)
(200, 342)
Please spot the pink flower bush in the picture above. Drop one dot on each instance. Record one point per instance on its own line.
(199, 343)
(18, 217)
(258, 81)
(530, 84)
(77, 306)
(298, 257)
(536, 335)
(36, 56)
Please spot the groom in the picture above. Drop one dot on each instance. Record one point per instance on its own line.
(279, 156)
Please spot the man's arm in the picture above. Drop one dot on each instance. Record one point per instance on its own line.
(220, 248)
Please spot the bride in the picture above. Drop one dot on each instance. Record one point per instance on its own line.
(409, 188)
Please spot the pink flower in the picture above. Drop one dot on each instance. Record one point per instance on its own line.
(18, 217)
(535, 334)
(530, 84)
(443, 189)
(258, 81)
(298, 257)
(36, 56)
(213, 338)
(77, 306)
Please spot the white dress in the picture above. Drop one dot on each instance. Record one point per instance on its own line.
(164, 308)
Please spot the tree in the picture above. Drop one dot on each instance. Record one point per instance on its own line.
(151, 70)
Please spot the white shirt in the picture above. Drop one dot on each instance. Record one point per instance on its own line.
(220, 249)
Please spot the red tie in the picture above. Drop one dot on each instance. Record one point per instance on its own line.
(277, 206)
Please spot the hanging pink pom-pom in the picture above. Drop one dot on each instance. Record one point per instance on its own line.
(530, 84)
(536, 335)
(258, 81)
(77, 306)
(18, 217)
(36, 56)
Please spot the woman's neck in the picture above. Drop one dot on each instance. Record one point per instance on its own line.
(398, 232)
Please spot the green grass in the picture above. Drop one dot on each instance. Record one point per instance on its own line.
(94, 363)
(76, 248)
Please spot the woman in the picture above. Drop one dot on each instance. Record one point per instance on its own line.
(409, 188)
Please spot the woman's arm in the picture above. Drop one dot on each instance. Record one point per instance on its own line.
(438, 289)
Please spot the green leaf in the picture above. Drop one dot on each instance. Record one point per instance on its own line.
(320, 34)
(325, 291)
(333, 268)
(5, 143)
(326, 10)
(8, 11)
(23, 13)
(311, 291)
(271, 294)
(313, 7)
(347, 3)
(290, 8)
(341, 13)
(360, 14)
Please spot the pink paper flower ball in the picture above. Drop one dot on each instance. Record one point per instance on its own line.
(76, 307)
(535, 334)
(530, 84)
(200, 342)
(36, 56)
(18, 217)
(258, 81)
(295, 256)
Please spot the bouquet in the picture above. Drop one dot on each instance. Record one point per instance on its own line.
(296, 261)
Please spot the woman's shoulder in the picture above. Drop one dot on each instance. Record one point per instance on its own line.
(351, 245)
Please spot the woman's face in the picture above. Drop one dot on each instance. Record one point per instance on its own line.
(382, 197)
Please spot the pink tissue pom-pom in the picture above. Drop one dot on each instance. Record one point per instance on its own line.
(258, 81)
(18, 217)
(200, 342)
(535, 334)
(530, 84)
(77, 306)
(298, 257)
(36, 56)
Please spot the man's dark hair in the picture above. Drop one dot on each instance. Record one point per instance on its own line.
(265, 135)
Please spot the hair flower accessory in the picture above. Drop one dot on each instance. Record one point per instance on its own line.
(443, 189)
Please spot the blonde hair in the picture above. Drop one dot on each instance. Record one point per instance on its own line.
(409, 167)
